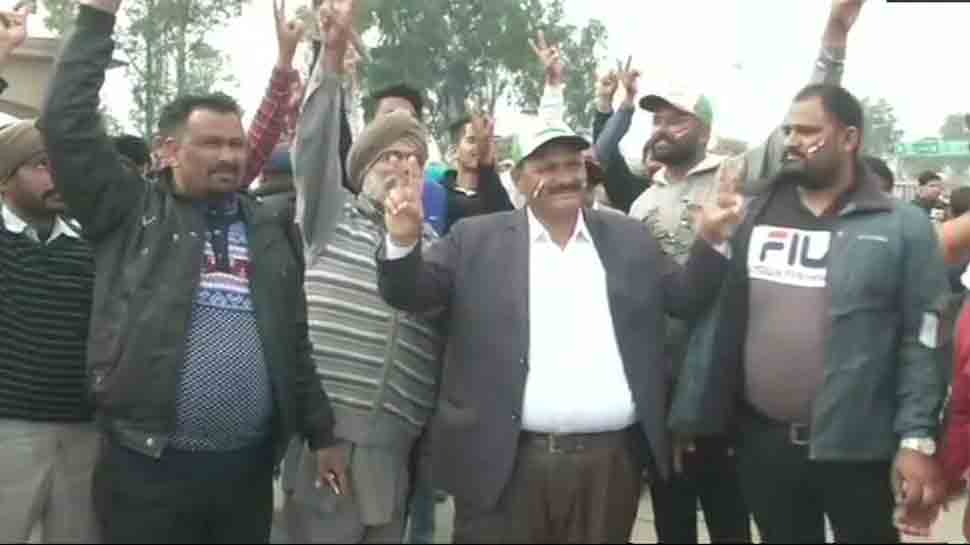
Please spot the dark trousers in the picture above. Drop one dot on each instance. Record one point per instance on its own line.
(572, 489)
(184, 497)
(421, 504)
(789, 495)
(710, 475)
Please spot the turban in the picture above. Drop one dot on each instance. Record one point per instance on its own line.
(380, 134)
(19, 143)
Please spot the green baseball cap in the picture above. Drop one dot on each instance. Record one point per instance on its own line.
(695, 104)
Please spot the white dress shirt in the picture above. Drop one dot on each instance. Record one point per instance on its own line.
(13, 224)
(576, 381)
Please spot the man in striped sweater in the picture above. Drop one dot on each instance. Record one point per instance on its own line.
(379, 366)
(48, 443)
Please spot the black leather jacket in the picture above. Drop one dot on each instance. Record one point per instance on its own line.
(148, 243)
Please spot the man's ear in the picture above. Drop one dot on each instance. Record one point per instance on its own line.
(706, 136)
(170, 148)
(517, 178)
(853, 139)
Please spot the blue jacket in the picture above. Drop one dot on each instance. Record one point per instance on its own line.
(435, 202)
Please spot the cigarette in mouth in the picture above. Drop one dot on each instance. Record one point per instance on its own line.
(538, 189)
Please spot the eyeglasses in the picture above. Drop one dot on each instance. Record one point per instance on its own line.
(393, 155)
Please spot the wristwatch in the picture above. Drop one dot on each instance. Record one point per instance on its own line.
(923, 445)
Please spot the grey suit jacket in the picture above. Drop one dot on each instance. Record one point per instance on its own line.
(480, 273)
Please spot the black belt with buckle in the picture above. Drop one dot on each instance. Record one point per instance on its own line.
(798, 434)
(558, 443)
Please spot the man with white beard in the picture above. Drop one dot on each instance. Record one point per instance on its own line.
(381, 365)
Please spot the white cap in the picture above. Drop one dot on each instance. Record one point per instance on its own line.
(544, 133)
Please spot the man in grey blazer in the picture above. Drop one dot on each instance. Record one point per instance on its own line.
(552, 393)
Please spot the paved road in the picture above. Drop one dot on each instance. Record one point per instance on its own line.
(947, 529)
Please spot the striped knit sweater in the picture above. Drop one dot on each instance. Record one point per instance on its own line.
(378, 366)
(45, 305)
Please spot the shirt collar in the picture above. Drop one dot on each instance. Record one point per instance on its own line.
(539, 233)
(17, 226)
(710, 162)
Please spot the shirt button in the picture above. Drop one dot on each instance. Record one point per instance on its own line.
(150, 442)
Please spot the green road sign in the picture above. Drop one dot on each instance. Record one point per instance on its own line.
(934, 147)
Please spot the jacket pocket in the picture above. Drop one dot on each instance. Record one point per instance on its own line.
(864, 276)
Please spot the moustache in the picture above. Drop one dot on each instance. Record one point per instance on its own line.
(659, 136)
(226, 168)
(573, 186)
(793, 154)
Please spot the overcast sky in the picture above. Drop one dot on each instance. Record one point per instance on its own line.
(911, 54)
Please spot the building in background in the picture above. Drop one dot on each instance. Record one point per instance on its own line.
(27, 72)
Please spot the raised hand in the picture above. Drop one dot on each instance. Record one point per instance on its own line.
(336, 21)
(484, 127)
(717, 221)
(606, 87)
(13, 30)
(551, 58)
(842, 18)
(403, 208)
(629, 79)
(288, 34)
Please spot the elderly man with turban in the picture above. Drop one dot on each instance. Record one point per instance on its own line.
(378, 365)
(48, 442)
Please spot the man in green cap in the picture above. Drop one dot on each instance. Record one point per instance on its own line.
(682, 120)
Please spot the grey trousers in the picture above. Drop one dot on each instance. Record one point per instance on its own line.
(45, 481)
(317, 515)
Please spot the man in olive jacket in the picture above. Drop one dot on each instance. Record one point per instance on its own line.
(199, 358)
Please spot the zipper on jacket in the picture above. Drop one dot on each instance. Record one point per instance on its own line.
(389, 352)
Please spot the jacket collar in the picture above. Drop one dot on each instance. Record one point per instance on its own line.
(538, 231)
(710, 162)
(14, 224)
(865, 196)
